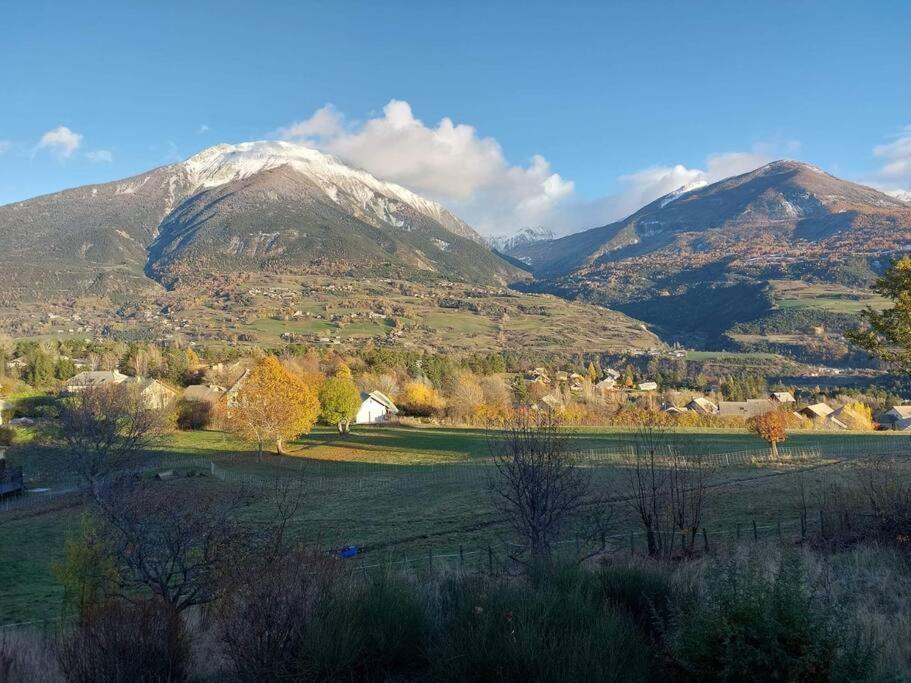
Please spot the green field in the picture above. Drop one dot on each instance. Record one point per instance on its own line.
(828, 297)
(396, 492)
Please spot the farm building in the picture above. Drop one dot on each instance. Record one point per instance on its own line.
(647, 386)
(375, 408)
(702, 405)
(606, 384)
(897, 417)
(91, 379)
(155, 395)
(816, 411)
(823, 415)
(783, 397)
(203, 393)
(752, 407)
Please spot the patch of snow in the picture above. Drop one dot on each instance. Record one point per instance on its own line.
(682, 190)
(226, 163)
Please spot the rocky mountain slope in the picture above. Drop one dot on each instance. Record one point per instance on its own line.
(697, 260)
(254, 206)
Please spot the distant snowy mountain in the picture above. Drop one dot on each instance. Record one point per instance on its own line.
(231, 208)
(903, 195)
(506, 243)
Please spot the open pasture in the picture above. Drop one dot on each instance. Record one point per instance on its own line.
(406, 493)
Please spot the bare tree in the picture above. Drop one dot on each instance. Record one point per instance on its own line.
(666, 488)
(185, 544)
(105, 428)
(538, 483)
(176, 543)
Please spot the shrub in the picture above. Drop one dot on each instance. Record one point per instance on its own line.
(749, 625)
(122, 641)
(194, 414)
(366, 631)
(554, 630)
(7, 437)
(263, 619)
(645, 594)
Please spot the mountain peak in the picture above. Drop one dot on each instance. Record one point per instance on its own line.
(781, 165)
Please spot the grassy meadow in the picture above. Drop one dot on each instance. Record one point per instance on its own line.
(402, 492)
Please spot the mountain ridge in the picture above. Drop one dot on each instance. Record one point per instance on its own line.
(72, 237)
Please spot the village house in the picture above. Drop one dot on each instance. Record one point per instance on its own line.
(606, 384)
(752, 407)
(823, 415)
(17, 364)
(897, 418)
(203, 393)
(816, 411)
(783, 397)
(702, 406)
(612, 374)
(647, 386)
(91, 379)
(154, 394)
(375, 408)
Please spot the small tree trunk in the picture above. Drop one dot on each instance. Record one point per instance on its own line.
(340, 426)
(279, 446)
(774, 450)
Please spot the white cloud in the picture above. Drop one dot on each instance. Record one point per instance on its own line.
(896, 157)
(61, 140)
(470, 175)
(203, 128)
(100, 156)
(645, 186)
(449, 162)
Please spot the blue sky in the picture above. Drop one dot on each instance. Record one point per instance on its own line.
(576, 111)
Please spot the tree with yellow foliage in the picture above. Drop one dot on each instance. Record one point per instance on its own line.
(272, 405)
(420, 399)
(857, 416)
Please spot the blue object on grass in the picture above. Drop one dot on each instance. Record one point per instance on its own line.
(348, 551)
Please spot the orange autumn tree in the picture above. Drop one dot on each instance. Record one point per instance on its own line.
(272, 405)
(772, 427)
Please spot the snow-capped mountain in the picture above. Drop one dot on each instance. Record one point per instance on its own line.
(903, 195)
(223, 164)
(247, 206)
(682, 190)
(506, 243)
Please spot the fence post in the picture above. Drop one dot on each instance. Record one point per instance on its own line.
(430, 558)
(490, 559)
(705, 538)
(461, 558)
(822, 524)
(755, 531)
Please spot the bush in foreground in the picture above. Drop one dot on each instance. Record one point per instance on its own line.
(748, 624)
(122, 641)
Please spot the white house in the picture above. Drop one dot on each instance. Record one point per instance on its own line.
(375, 408)
(648, 386)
